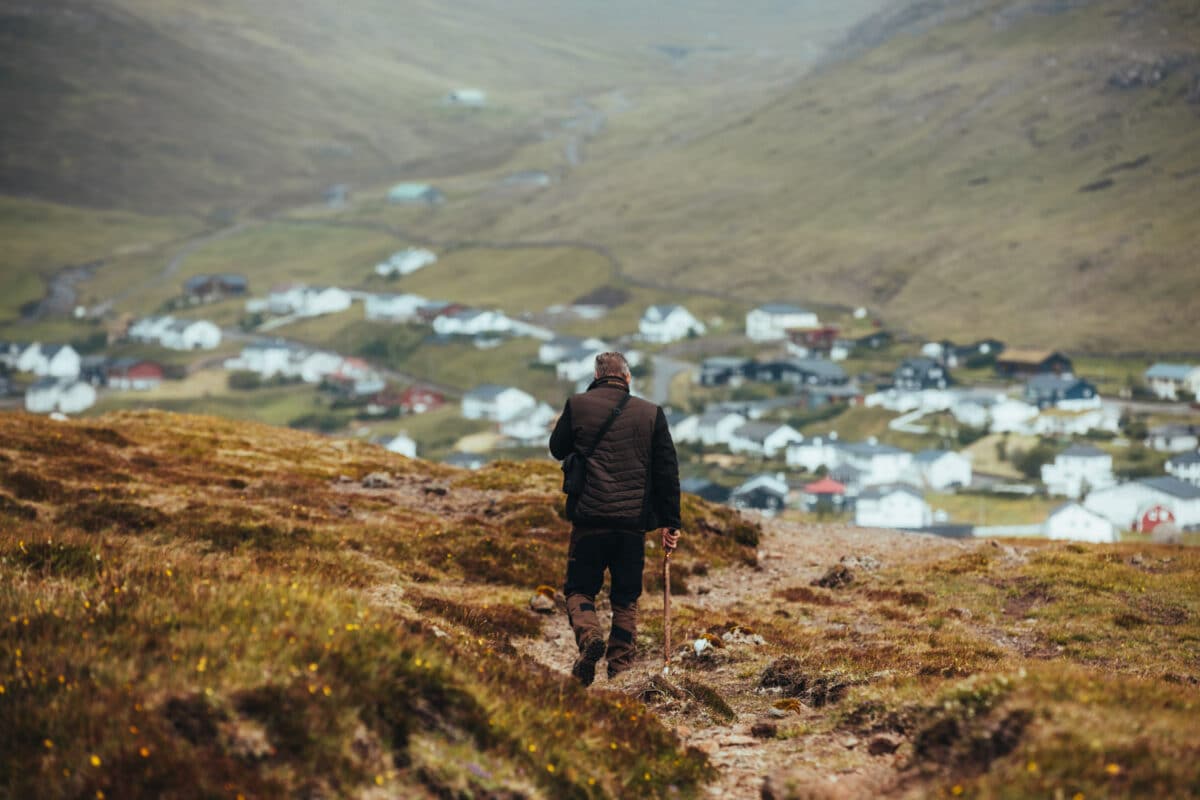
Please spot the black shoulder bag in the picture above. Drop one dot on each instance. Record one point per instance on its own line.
(574, 466)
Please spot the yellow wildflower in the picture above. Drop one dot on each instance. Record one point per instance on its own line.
(95, 759)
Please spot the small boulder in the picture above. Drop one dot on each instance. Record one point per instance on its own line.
(835, 577)
(378, 480)
(542, 604)
(883, 744)
(764, 730)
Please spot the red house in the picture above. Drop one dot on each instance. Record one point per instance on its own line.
(128, 373)
(419, 399)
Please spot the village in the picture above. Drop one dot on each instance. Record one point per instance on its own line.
(781, 412)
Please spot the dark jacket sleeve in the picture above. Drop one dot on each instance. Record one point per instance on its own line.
(664, 466)
(562, 439)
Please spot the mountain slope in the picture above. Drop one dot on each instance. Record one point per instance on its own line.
(152, 105)
(999, 167)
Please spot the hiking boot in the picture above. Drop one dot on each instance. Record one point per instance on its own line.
(590, 652)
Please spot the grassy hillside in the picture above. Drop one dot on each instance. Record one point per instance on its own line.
(157, 105)
(196, 607)
(999, 168)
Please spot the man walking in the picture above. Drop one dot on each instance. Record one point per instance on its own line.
(632, 486)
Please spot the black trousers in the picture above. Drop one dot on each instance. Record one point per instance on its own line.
(623, 555)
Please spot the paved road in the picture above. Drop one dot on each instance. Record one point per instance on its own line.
(665, 370)
(1142, 407)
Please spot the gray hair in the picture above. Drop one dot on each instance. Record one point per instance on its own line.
(612, 365)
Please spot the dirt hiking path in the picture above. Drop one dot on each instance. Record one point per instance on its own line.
(789, 555)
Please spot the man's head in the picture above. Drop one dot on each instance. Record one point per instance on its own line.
(612, 365)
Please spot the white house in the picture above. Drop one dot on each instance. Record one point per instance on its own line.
(763, 438)
(668, 323)
(150, 329)
(1168, 380)
(577, 364)
(472, 98)
(767, 493)
(315, 366)
(530, 427)
(554, 350)
(405, 262)
(267, 358)
(49, 360)
(879, 463)
(499, 403)
(392, 307)
(684, 428)
(471, 322)
(64, 395)
(771, 322)
(318, 300)
(184, 334)
(717, 427)
(895, 506)
(1077, 470)
(1060, 422)
(308, 301)
(1173, 438)
(1073, 522)
(942, 469)
(1127, 504)
(812, 454)
(1185, 466)
(403, 444)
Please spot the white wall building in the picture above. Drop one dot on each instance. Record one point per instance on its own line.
(1125, 503)
(1078, 470)
(314, 367)
(577, 365)
(64, 395)
(765, 439)
(717, 427)
(812, 454)
(942, 469)
(199, 334)
(405, 262)
(879, 463)
(771, 322)
(308, 301)
(471, 322)
(268, 358)
(1168, 380)
(553, 351)
(1059, 422)
(892, 507)
(1075, 523)
(530, 427)
(499, 403)
(1173, 438)
(403, 444)
(668, 323)
(392, 307)
(1185, 466)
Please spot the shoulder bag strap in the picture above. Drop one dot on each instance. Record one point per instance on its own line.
(612, 417)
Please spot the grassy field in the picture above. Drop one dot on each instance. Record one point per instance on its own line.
(994, 509)
(42, 238)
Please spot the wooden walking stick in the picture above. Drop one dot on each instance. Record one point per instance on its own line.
(666, 609)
